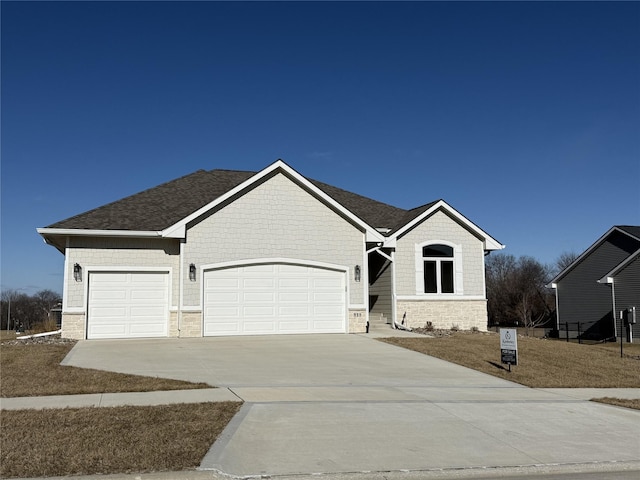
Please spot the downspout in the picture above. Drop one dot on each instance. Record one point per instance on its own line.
(613, 301)
(555, 287)
(365, 281)
(181, 288)
(394, 307)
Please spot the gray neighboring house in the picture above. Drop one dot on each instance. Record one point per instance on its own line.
(603, 280)
(225, 252)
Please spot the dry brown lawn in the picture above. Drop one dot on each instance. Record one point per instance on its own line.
(541, 363)
(7, 335)
(38, 443)
(33, 369)
(620, 402)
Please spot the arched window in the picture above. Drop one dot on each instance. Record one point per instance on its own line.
(438, 268)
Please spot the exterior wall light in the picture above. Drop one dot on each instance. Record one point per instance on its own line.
(357, 273)
(192, 272)
(77, 272)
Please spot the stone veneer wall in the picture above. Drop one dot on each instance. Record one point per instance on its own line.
(73, 326)
(444, 314)
(191, 324)
(357, 321)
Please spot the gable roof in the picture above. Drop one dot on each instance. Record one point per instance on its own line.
(631, 231)
(608, 278)
(166, 209)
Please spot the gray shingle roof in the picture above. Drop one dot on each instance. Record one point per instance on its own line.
(630, 229)
(160, 207)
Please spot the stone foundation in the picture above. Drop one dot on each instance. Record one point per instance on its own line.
(444, 314)
(74, 326)
(191, 324)
(357, 321)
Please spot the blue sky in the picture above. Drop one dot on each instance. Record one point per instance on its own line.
(525, 117)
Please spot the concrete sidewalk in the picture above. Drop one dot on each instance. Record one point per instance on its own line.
(119, 399)
(316, 394)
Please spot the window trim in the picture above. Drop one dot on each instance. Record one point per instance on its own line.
(457, 269)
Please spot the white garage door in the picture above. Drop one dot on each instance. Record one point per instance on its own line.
(127, 304)
(274, 298)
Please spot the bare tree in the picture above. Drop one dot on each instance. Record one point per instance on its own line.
(516, 292)
(531, 299)
(563, 261)
(22, 310)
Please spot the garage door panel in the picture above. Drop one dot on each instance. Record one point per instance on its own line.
(302, 310)
(267, 311)
(324, 283)
(148, 311)
(127, 304)
(108, 331)
(274, 298)
(326, 297)
(225, 326)
(258, 297)
(222, 311)
(114, 278)
(251, 327)
(100, 314)
(257, 283)
(143, 330)
(294, 327)
(328, 310)
(220, 297)
(111, 295)
(149, 296)
(294, 283)
(294, 296)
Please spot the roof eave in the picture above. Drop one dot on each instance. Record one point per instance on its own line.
(79, 232)
(586, 253)
(608, 278)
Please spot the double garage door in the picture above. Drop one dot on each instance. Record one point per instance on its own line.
(274, 298)
(128, 304)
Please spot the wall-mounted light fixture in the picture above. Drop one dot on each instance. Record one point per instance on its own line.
(357, 273)
(192, 272)
(77, 272)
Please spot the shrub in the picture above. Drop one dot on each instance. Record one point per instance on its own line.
(47, 325)
(429, 327)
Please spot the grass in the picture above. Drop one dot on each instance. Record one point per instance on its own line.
(6, 335)
(620, 402)
(33, 369)
(541, 363)
(84, 441)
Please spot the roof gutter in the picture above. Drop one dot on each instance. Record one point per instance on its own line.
(97, 233)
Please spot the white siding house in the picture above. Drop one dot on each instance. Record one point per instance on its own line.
(234, 253)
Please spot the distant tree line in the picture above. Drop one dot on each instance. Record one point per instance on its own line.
(516, 290)
(26, 310)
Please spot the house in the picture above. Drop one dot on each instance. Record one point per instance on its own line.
(225, 252)
(601, 282)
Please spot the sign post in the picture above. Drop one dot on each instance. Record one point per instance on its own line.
(509, 346)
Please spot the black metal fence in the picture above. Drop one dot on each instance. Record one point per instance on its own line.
(586, 332)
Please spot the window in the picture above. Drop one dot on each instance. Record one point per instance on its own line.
(438, 269)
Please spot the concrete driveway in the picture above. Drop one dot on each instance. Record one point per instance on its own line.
(348, 403)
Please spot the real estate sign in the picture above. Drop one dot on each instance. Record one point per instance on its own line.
(509, 346)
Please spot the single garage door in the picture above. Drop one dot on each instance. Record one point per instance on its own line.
(127, 304)
(274, 298)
